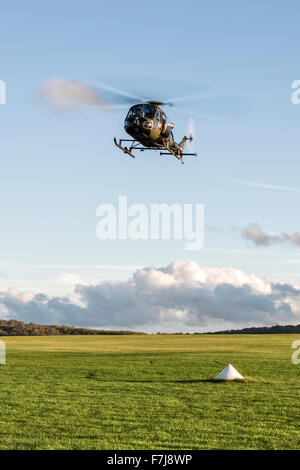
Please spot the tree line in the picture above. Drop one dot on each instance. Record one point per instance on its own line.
(19, 328)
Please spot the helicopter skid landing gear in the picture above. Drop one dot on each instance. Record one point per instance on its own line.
(125, 149)
(179, 157)
(135, 145)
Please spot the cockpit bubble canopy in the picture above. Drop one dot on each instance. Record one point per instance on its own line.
(141, 110)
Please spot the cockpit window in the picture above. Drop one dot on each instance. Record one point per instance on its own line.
(148, 111)
(145, 110)
(134, 112)
(130, 114)
(137, 110)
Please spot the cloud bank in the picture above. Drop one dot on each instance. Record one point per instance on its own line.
(182, 296)
(255, 234)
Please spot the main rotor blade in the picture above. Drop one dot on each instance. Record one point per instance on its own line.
(194, 98)
(113, 95)
(225, 106)
(114, 98)
(146, 89)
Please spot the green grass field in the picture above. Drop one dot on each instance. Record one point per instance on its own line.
(149, 392)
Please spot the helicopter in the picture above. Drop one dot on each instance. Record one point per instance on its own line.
(147, 123)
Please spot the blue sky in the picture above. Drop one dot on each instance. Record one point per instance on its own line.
(57, 168)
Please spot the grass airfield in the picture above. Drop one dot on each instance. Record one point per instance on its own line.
(149, 392)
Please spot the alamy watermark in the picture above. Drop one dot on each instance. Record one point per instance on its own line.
(156, 222)
(296, 354)
(295, 97)
(2, 92)
(2, 353)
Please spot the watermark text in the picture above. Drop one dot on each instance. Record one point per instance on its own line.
(296, 354)
(156, 222)
(2, 92)
(296, 94)
(2, 353)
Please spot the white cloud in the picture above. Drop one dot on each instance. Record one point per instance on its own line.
(276, 187)
(20, 296)
(66, 95)
(255, 234)
(182, 296)
(70, 278)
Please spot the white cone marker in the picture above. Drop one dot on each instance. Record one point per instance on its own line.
(229, 373)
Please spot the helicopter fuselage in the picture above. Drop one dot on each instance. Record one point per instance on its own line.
(149, 128)
(148, 124)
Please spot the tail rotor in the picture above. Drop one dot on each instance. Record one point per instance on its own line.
(191, 133)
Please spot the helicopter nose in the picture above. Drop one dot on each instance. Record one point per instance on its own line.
(148, 125)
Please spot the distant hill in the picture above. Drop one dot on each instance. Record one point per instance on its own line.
(262, 330)
(19, 328)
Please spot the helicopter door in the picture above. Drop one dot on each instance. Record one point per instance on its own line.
(157, 124)
(158, 117)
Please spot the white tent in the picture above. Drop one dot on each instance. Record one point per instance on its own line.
(229, 373)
